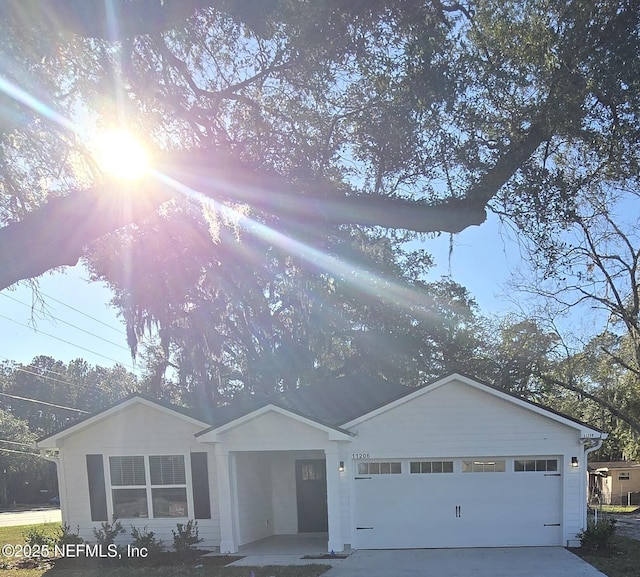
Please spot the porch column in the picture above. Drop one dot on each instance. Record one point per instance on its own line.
(336, 542)
(225, 465)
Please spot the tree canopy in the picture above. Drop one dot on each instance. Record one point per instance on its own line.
(404, 114)
(298, 150)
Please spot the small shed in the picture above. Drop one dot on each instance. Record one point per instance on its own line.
(615, 482)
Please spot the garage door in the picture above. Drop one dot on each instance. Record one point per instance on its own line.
(475, 502)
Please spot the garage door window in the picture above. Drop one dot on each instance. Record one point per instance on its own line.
(432, 466)
(484, 466)
(380, 468)
(528, 465)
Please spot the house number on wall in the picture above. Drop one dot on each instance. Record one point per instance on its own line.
(360, 455)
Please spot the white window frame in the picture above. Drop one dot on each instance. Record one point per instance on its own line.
(148, 486)
(624, 476)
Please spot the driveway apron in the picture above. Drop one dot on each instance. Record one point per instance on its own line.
(511, 562)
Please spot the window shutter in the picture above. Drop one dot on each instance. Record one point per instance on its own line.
(200, 483)
(97, 491)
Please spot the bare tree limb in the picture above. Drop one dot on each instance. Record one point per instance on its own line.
(635, 425)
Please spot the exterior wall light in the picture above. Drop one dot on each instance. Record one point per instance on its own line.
(341, 467)
(574, 461)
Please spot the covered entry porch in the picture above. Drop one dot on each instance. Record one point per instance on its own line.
(278, 474)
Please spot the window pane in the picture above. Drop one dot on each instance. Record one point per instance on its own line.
(127, 470)
(529, 465)
(167, 470)
(552, 465)
(396, 468)
(541, 465)
(385, 468)
(363, 469)
(169, 502)
(518, 465)
(447, 467)
(130, 503)
(488, 466)
(426, 467)
(415, 467)
(436, 466)
(374, 468)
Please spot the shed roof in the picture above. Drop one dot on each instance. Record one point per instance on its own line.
(608, 465)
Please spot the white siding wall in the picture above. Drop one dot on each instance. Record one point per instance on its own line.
(273, 432)
(136, 430)
(255, 511)
(285, 508)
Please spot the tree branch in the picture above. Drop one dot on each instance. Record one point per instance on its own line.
(635, 425)
(57, 233)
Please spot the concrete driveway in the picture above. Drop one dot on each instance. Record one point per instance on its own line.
(512, 562)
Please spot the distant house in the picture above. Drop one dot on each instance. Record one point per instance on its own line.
(455, 463)
(615, 482)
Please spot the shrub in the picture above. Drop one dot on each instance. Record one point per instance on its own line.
(598, 536)
(144, 539)
(66, 537)
(186, 538)
(108, 532)
(39, 542)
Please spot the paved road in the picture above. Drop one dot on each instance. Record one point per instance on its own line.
(32, 517)
(627, 524)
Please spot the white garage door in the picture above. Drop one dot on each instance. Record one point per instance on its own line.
(475, 502)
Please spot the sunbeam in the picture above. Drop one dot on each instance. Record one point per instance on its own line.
(36, 105)
(393, 292)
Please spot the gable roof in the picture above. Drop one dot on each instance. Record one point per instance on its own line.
(335, 433)
(338, 404)
(49, 441)
(586, 430)
(330, 402)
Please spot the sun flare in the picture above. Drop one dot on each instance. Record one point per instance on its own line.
(119, 154)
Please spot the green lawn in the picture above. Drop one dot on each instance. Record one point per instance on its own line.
(275, 571)
(622, 562)
(15, 536)
(617, 508)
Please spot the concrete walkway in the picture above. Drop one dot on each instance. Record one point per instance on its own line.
(512, 562)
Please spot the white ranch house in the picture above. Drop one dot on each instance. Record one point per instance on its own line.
(456, 463)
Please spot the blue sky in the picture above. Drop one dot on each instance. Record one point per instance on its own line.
(482, 259)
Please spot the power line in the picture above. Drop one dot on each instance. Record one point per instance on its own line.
(69, 324)
(23, 370)
(43, 403)
(20, 452)
(16, 443)
(67, 342)
(82, 313)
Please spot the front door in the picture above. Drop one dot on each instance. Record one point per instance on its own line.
(311, 489)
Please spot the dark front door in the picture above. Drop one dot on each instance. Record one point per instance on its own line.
(311, 488)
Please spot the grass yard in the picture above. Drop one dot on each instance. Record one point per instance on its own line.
(617, 508)
(85, 568)
(622, 562)
(298, 571)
